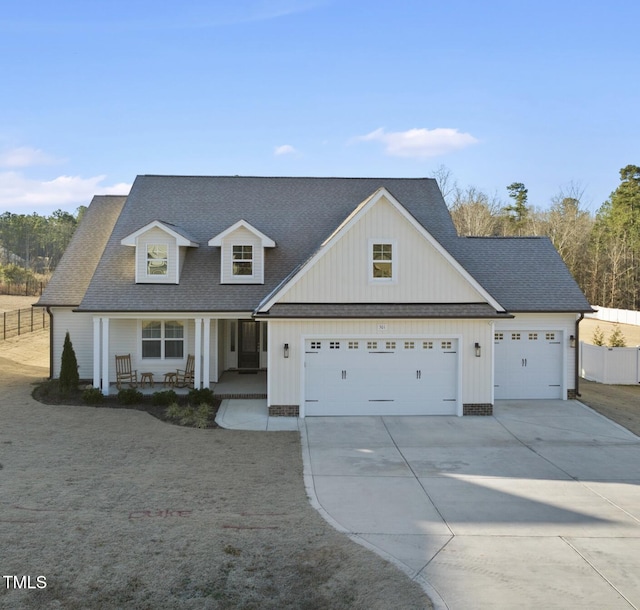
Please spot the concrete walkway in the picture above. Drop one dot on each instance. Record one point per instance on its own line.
(535, 507)
(251, 414)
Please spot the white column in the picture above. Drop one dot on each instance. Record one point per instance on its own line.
(96, 352)
(105, 356)
(197, 373)
(206, 347)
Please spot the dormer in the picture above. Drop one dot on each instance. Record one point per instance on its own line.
(160, 252)
(242, 253)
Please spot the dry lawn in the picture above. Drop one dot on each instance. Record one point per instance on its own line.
(9, 302)
(120, 510)
(588, 326)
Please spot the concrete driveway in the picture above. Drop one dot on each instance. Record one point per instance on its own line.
(535, 507)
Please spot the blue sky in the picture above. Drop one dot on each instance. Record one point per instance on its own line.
(498, 91)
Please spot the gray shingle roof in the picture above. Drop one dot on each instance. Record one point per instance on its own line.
(298, 213)
(383, 310)
(521, 273)
(78, 264)
(97, 272)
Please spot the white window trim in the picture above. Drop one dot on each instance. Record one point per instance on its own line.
(252, 260)
(163, 339)
(149, 245)
(394, 261)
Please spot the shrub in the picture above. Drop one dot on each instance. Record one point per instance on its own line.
(598, 336)
(69, 377)
(130, 396)
(164, 398)
(617, 338)
(186, 415)
(92, 396)
(204, 395)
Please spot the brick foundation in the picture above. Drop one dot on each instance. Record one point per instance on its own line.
(284, 411)
(477, 409)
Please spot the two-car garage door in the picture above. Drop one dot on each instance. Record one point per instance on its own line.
(354, 376)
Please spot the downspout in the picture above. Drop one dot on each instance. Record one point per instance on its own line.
(578, 395)
(50, 341)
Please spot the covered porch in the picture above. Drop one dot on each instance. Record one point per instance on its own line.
(232, 384)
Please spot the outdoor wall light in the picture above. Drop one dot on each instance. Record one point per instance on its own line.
(286, 350)
(572, 341)
(478, 350)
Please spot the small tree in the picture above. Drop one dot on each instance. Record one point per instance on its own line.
(69, 378)
(598, 337)
(617, 338)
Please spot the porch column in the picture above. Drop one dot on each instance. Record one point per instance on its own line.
(197, 373)
(206, 347)
(96, 352)
(105, 356)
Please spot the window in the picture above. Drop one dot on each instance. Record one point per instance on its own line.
(390, 345)
(334, 344)
(157, 258)
(162, 340)
(499, 336)
(372, 345)
(353, 345)
(515, 336)
(445, 344)
(409, 345)
(243, 260)
(533, 336)
(427, 345)
(550, 336)
(316, 345)
(382, 261)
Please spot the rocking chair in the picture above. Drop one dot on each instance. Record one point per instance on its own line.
(124, 372)
(184, 378)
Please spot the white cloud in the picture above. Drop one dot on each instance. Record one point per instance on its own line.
(285, 149)
(420, 142)
(25, 156)
(18, 191)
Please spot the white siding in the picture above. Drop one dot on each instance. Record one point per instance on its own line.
(285, 374)
(80, 327)
(242, 237)
(421, 273)
(563, 323)
(160, 237)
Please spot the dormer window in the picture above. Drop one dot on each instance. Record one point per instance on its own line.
(242, 261)
(160, 249)
(242, 258)
(157, 259)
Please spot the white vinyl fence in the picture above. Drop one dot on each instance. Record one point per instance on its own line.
(613, 365)
(618, 316)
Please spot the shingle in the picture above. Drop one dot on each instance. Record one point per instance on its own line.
(383, 310)
(298, 213)
(78, 264)
(524, 274)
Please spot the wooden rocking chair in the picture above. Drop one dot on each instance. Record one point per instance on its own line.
(184, 378)
(124, 372)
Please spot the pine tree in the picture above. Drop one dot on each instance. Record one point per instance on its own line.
(69, 378)
(617, 338)
(598, 337)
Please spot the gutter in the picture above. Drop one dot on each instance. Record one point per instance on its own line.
(577, 356)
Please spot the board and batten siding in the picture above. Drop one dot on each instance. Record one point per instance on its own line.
(563, 323)
(284, 374)
(80, 327)
(420, 273)
(156, 236)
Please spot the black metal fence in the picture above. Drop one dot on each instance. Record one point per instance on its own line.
(22, 321)
(32, 288)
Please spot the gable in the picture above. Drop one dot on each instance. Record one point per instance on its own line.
(422, 272)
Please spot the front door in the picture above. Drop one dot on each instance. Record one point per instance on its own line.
(249, 353)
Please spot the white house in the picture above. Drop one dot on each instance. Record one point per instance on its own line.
(354, 294)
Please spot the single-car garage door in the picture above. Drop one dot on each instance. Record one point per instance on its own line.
(528, 364)
(381, 377)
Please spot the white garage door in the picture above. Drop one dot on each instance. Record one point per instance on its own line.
(381, 377)
(528, 364)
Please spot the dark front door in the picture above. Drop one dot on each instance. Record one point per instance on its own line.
(249, 354)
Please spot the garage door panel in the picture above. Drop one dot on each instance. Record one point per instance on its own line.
(528, 364)
(381, 377)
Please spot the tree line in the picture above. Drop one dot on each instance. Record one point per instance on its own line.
(602, 251)
(32, 244)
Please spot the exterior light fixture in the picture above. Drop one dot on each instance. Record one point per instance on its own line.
(572, 341)
(286, 350)
(478, 350)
